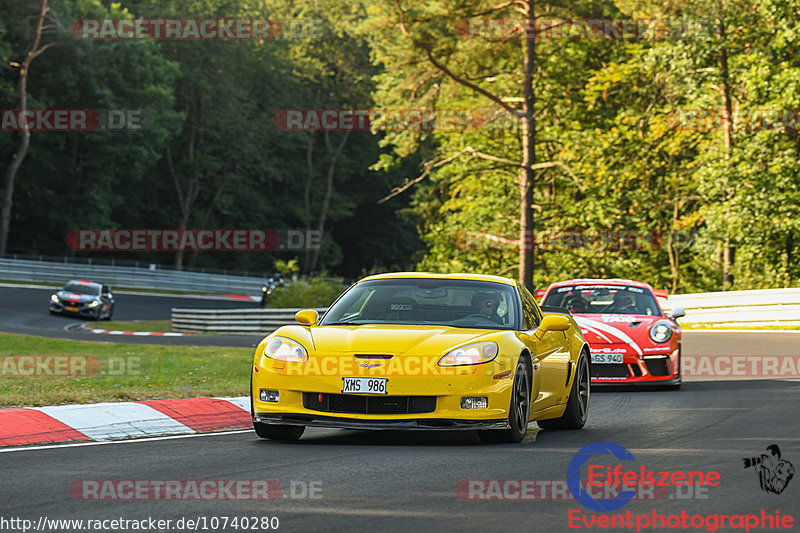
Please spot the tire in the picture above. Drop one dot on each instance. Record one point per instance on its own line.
(518, 412)
(273, 432)
(577, 410)
(278, 432)
(677, 386)
(110, 313)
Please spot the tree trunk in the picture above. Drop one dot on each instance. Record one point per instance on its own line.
(673, 252)
(19, 157)
(727, 126)
(307, 199)
(526, 174)
(333, 158)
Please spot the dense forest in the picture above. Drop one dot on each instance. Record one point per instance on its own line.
(652, 139)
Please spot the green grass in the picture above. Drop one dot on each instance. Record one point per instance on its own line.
(111, 372)
(157, 326)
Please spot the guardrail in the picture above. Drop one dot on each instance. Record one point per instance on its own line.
(735, 308)
(739, 308)
(233, 321)
(141, 278)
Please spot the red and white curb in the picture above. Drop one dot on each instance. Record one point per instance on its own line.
(139, 333)
(243, 297)
(122, 420)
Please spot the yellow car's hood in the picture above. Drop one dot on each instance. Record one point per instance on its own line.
(385, 339)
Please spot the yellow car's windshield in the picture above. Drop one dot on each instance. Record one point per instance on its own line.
(458, 303)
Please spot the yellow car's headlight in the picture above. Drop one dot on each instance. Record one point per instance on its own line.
(471, 354)
(285, 349)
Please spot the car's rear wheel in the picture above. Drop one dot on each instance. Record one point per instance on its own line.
(577, 410)
(519, 411)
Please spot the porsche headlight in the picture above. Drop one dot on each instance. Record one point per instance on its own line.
(54, 298)
(660, 332)
(94, 303)
(285, 349)
(471, 354)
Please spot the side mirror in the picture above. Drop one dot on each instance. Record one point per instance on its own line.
(677, 313)
(307, 317)
(552, 323)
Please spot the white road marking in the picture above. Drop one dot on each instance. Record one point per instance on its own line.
(29, 448)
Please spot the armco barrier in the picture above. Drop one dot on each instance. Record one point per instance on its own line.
(142, 278)
(739, 308)
(232, 321)
(735, 308)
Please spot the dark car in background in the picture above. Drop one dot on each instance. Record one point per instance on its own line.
(85, 299)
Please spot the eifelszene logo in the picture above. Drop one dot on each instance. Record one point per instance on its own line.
(773, 472)
(621, 481)
(574, 476)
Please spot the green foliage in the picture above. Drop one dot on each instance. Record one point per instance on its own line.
(605, 109)
(318, 291)
(287, 268)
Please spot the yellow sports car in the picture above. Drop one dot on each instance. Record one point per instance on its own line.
(424, 351)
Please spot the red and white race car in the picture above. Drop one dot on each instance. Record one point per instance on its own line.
(631, 340)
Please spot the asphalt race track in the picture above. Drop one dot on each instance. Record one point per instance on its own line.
(393, 481)
(24, 310)
(335, 480)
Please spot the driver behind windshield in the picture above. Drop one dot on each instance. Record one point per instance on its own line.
(486, 304)
(624, 303)
(576, 304)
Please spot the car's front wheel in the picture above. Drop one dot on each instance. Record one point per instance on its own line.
(273, 432)
(577, 410)
(519, 411)
(278, 432)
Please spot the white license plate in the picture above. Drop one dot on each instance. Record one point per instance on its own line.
(364, 385)
(606, 358)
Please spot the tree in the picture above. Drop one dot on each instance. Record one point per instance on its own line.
(36, 49)
(428, 64)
